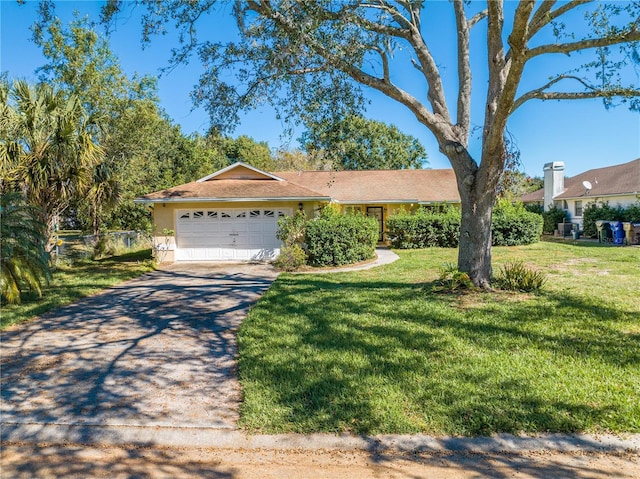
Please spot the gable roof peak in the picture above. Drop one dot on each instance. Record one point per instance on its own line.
(240, 164)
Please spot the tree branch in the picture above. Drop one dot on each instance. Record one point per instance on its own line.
(543, 16)
(477, 17)
(623, 37)
(429, 119)
(621, 92)
(541, 94)
(464, 73)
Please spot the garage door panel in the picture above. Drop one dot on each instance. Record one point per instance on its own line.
(227, 234)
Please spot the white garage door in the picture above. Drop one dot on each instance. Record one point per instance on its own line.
(227, 234)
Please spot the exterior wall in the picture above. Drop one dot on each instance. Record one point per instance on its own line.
(572, 206)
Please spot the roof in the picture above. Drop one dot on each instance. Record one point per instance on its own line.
(232, 190)
(380, 185)
(240, 182)
(615, 180)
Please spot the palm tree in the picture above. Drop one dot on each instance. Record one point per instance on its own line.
(105, 193)
(50, 152)
(24, 261)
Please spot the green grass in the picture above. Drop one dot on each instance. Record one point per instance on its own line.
(378, 351)
(72, 281)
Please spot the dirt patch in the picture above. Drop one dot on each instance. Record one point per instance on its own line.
(77, 461)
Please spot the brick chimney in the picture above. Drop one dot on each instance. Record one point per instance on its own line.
(553, 182)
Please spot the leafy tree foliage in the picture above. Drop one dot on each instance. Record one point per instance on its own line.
(310, 58)
(24, 261)
(246, 149)
(298, 160)
(48, 149)
(143, 150)
(357, 143)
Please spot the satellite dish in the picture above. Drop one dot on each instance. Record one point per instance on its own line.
(587, 185)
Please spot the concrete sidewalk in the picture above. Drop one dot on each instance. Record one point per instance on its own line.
(383, 256)
(225, 438)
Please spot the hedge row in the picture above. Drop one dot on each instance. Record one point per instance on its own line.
(424, 228)
(334, 239)
(512, 225)
(602, 211)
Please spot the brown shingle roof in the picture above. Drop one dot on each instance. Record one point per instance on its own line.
(233, 189)
(380, 185)
(611, 180)
(344, 186)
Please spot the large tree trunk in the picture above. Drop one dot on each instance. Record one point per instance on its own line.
(474, 253)
(477, 188)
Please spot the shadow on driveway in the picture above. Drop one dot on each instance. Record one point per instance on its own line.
(159, 350)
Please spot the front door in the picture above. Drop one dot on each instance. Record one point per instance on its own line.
(376, 212)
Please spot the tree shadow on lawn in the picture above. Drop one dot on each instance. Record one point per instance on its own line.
(158, 350)
(406, 372)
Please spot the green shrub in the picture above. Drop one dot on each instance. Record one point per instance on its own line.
(334, 239)
(533, 208)
(551, 219)
(452, 280)
(291, 229)
(513, 225)
(516, 276)
(602, 211)
(632, 213)
(424, 229)
(291, 258)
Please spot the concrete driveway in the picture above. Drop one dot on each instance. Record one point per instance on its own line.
(155, 351)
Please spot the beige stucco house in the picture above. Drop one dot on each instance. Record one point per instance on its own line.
(233, 213)
(617, 185)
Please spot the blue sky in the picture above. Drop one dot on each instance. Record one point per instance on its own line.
(581, 133)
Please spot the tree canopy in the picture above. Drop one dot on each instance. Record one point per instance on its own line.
(357, 143)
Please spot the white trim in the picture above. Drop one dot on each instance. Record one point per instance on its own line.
(593, 196)
(236, 165)
(230, 200)
(374, 202)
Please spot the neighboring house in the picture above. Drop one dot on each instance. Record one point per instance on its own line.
(617, 185)
(233, 213)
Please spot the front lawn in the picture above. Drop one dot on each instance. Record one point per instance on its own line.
(378, 351)
(72, 281)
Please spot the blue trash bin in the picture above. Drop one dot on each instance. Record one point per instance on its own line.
(618, 232)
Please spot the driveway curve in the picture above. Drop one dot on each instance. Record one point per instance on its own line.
(159, 350)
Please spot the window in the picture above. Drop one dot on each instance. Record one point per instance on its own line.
(184, 216)
(198, 214)
(352, 210)
(224, 215)
(242, 214)
(281, 214)
(269, 213)
(565, 205)
(254, 214)
(212, 214)
(578, 208)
